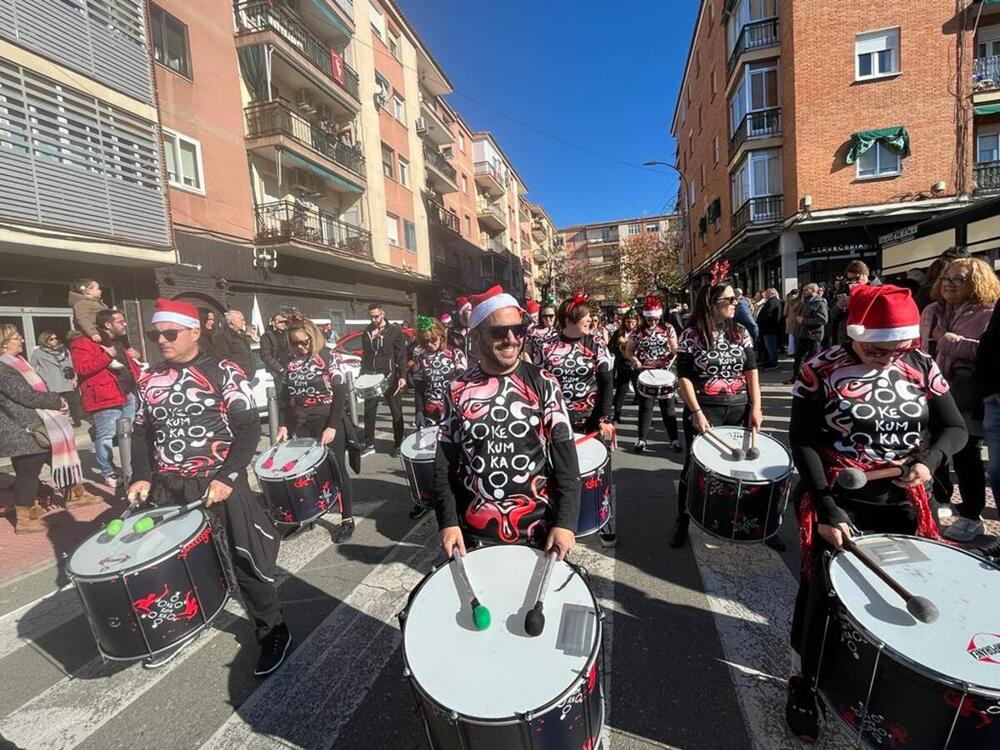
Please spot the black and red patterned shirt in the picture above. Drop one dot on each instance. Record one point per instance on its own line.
(187, 410)
(654, 347)
(507, 445)
(311, 383)
(576, 364)
(718, 373)
(536, 337)
(433, 372)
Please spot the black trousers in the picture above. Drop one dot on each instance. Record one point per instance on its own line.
(812, 603)
(76, 412)
(395, 409)
(623, 376)
(718, 415)
(313, 427)
(667, 411)
(27, 469)
(804, 349)
(968, 464)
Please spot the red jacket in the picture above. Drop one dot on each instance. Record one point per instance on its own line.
(99, 387)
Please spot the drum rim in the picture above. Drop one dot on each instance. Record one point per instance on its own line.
(783, 477)
(413, 434)
(101, 577)
(515, 719)
(326, 455)
(970, 687)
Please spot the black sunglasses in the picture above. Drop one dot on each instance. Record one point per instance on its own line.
(499, 333)
(170, 335)
(549, 315)
(299, 342)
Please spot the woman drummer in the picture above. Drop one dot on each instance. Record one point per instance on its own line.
(313, 395)
(874, 403)
(652, 346)
(717, 374)
(624, 374)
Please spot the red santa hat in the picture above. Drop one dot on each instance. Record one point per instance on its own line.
(445, 319)
(652, 307)
(487, 303)
(174, 311)
(461, 303)
(531, 306)
(877, 314)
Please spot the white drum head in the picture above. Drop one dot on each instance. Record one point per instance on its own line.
(103, 555)
(421, 445)
(500, 672)
(591, 453)
(657, 378)
(963, 644)
(774, 462)
(369, 380)
(299, 455)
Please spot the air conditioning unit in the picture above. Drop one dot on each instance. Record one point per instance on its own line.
(447, 152)
(421, 125)
(305, 100)
(322, 112)
(304, 181)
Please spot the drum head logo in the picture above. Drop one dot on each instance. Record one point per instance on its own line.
(985, 647)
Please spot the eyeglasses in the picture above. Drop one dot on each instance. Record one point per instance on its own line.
(299, 342)
(877, 352)
(169, 334)
(954, 280)
(499, 333)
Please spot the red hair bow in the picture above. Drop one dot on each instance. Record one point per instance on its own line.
(578, 299)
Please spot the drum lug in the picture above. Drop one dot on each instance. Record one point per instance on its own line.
(528, 716)
(453, 717)
(406, 672)
(434, 568)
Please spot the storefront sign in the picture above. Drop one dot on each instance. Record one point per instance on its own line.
(900, 235)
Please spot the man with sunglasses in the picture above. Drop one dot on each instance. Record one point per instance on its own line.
(274, 350)
(506, 469)
(196, 432)
(543, 333)
(383, 350)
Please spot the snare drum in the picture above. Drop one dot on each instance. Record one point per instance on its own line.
(740, 501)
(900, 683)
(300, 481)
(505, 690)
(417, 453)
(656, 383)
(147, 593)
(372, 385)
(595, 490)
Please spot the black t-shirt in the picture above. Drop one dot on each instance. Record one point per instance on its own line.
(311, 386)
(718, 373)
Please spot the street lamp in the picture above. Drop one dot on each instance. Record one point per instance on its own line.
(684, 206)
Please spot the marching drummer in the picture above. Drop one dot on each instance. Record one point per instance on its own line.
(313, 394)
(383, 350)
(196, 430)
(652, 346)
(545, 330)
(459, 338)
(506, 469)
(873, 403)
(717, 374)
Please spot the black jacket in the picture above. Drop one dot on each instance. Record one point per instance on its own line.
(769, 318)
(235, 347)
(385, 353)
(987, 372)
(274, 351)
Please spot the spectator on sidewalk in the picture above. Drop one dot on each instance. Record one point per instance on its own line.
(35, 431)
(209, 330)
(951, 329)
(274, 349)
(53, 363)
(925, 293)
(856, 273)
(812, 318)
(232, 343)
(744, 315)
(793, 302)
(108, 374)
(769, 323)
(85, 299)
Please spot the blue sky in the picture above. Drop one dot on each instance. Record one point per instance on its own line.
(600, 75)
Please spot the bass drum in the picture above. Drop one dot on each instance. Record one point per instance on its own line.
(595, 486)
(417, 454)
(509, 691)
(300, 480)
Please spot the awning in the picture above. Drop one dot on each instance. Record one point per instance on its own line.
(987, 109)
(896, 139)
(323, 172)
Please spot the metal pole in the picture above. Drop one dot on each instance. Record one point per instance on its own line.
(272, 413)
(123, 429)
(352, 402)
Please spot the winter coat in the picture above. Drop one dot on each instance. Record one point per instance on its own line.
(389, 356)
(968, 323)
(99, 388)
(235, 347)
(815, 315)
(55, 367)
(769, 317)
(274, 351)
(792, 308)
(85, 312)
(18, 418)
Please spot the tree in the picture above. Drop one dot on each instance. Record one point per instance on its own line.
(553, 275)
(601, 281)
(650, 262)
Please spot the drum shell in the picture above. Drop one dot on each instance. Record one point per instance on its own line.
(372, 391)
(420, 476)
(125, 620)
(301, 499)
(655, 391)
(595, 499)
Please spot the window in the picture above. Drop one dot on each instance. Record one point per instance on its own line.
(710, 14)
(392, 229)
(876, 54)
(377, 21)
(652, 227)
(745, 12)
(399, 108)
(697, 63)
(387, 168)
(715, 87)
(692, 192)
(394, 45)
(404, 172)
(758, 176)
(986, 47)
(757, 91)
(170, 41)
(468, 225)
(461, 142)
(634, 229)
(410, 235)
(183, 157)
(701, 120)
(704, 176)
(878, 161)
(715, 149)
(465, 184)
(987, 147)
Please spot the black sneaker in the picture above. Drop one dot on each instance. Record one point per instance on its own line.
(680, 533)
(640, 446)
(345, 532)
(675, 445)
(417, 511)
(394, 452)
(368, 450)
(802, 711)
(776, 543)
(273, 649)
(608, 537)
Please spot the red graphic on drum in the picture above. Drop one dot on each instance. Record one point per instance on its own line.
(966, 708)
(203, 537)
(304, 481)
(985, 647)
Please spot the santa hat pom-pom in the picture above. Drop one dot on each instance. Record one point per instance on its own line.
(855, 330)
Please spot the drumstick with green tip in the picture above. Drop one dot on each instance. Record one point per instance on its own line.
(146, 523)
(480, 615)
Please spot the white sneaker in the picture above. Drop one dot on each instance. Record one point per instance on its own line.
(111, 481)
(964, 530)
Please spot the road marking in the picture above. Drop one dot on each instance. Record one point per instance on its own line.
(31, 621)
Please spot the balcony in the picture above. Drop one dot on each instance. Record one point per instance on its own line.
(489, 178)
(261, 22)
(765, 123)
(491, 216)
(755, 35)
(440, 173)
(275, 124)
(286, 221)
(986, 74)
(538, 233)
(496, 246)
(767, 209)
(435, 127)
(442, 270)
(607, 239)
(986, 177)
(442, 217)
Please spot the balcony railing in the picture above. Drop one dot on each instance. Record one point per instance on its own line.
(287, 220)
(486, 168)
(753, 36)
(607, 239)
(764, 210)
(494, 209)
(275, 118)
(442, 270)
(436, 159)
(496, 246)
(347, 6)
(986, 75)
(442, 216)
(263, 16)
(762, 124)
(986, 176)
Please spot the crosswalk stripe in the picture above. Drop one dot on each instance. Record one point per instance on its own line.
(34, 619)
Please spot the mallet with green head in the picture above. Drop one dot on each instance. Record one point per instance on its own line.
(480, 615)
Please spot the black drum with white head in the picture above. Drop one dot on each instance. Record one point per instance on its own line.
(657, 383)
(300, 481)
(417, 454)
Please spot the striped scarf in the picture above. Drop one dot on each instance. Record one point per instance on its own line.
(65, 462)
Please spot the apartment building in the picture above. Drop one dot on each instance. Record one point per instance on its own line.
(82, 189)
(542, 233)
(805, 134)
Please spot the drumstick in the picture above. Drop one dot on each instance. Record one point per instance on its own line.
(754, 451)
(534, 621)
(480, 615)
(737, 453)
(921, 608)
(146, 523)
(115, 526)
(855, 479)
